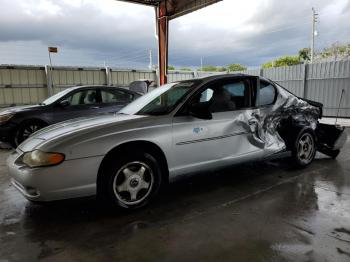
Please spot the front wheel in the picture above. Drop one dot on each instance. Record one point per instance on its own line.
(130, 182)
(304, 150)
(26, 129)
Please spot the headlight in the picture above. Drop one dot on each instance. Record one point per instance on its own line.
(6, 117)
(39, 158)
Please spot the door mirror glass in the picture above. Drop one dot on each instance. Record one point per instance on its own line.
(200, 110)
(64, 103)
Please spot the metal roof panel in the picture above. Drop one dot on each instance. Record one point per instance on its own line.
(177, 8)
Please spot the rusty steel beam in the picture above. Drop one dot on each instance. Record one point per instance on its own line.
(143, 2)
(182, 8)
(176, 8)
(163, 29)
(165, 11)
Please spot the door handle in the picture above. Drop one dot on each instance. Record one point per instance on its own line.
(252, 121)
(94, 107)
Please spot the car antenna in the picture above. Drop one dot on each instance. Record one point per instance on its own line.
(341, 99)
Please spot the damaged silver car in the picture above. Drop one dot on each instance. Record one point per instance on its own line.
(185, 127)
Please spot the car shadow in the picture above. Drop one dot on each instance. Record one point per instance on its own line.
(180, 200)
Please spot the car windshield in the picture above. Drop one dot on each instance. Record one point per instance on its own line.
(160, 101)
(56, 97)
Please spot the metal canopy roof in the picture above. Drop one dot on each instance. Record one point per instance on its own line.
(176, 8)
(165, 11)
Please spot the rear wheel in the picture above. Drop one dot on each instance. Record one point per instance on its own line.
(304, 150)
(26, 129)
(130, 182)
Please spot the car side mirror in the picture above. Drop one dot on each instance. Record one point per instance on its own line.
(64, 103)
(200, 110)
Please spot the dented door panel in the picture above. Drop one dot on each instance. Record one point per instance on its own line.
(223, 140)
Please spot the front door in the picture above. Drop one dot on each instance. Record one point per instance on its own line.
(81, 103)
(223, 140)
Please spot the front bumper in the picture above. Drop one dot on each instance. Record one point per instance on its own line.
(7, 131)
(70, 179)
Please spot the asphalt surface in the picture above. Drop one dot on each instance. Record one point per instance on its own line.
(256, 212)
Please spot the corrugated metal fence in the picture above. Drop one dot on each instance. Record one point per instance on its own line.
(30, 84)
(321, 82)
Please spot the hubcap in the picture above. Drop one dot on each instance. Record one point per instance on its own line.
(30, 130)
(133, 183)
(306, 147)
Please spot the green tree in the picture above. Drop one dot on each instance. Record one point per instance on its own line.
(185, 69)
(221, 69)
(267, 65)
(208, 68)
(171, 67)
(305, 54)
(336, 52)
(283, 61)
(236, 67)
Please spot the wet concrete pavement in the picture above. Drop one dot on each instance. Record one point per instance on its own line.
(256, 212)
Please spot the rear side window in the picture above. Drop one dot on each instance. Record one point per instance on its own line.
(84, 97)
(115, 96)
(267, 94)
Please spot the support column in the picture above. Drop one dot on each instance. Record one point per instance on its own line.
(305, 83)
(108, 76)
(163, 29)
(48, 73)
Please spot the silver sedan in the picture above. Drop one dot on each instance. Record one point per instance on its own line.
(185, 127)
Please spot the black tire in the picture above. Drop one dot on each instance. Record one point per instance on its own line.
(304, 148)
(116, 186)
(26, 129)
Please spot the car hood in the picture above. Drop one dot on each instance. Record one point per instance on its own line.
(16, 109)
(80, 124)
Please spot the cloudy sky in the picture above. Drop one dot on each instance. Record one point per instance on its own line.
(90, 32)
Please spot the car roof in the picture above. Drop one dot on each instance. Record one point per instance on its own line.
(207, 79)
(224, 76)
(100, 86)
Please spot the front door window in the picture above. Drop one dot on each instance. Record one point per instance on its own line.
(226, 96)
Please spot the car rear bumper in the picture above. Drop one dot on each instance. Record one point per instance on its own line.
(71, 179)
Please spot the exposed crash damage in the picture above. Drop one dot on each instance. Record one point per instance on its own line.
(275, 129)
(298, 115)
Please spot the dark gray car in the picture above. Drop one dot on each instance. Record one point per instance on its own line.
(18, 123)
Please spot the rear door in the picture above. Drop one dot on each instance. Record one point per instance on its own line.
(223, 140)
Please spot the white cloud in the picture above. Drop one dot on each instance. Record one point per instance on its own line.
(248, 32)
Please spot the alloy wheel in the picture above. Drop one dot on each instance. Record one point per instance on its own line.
(29, 130)
(306, 148)
(133, 183)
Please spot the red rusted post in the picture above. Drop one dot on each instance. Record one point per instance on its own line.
(163, 28)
